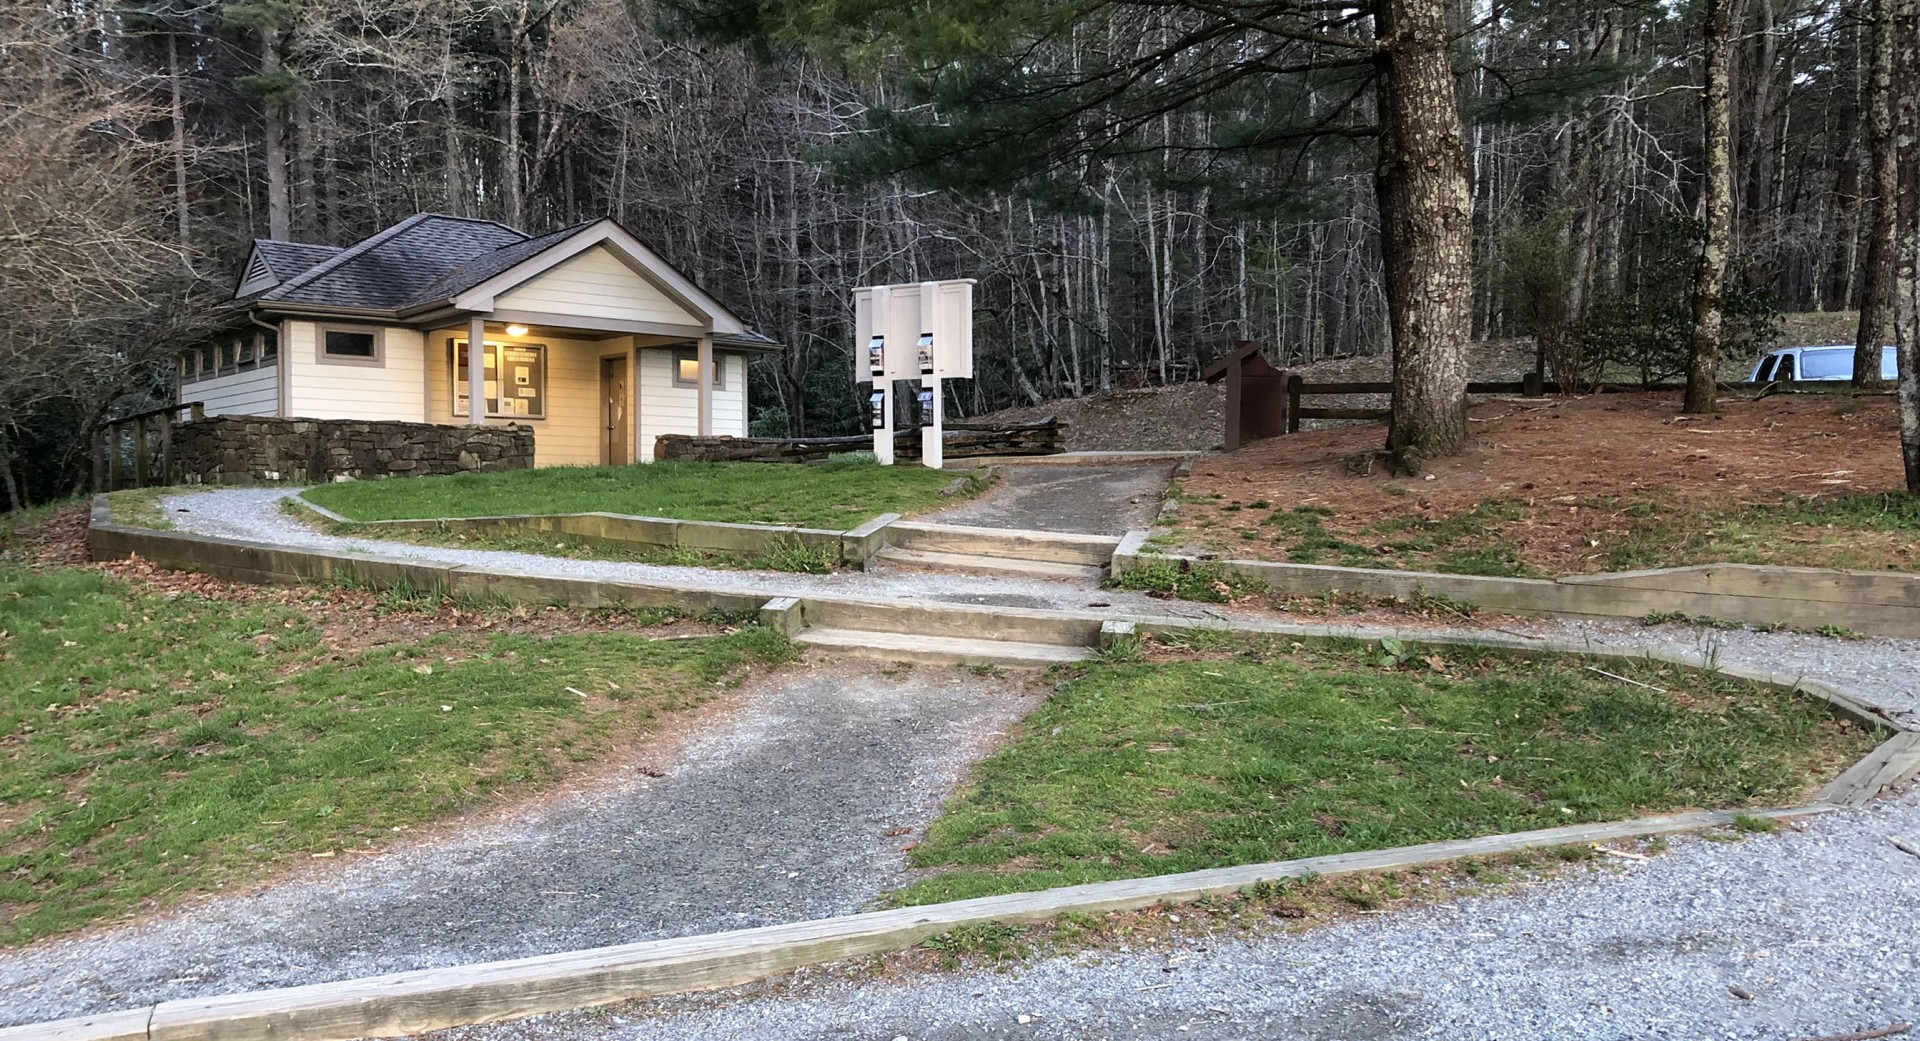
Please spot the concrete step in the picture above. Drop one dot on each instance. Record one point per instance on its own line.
(921, 619)
(941, 650)
(1050, 546)
(974, 563)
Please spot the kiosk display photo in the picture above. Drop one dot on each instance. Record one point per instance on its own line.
(936, 318)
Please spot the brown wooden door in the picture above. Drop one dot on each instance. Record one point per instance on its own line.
(615, 414)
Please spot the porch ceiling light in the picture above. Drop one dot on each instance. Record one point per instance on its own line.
(516, 330)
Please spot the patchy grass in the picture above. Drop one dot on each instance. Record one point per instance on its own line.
(829, 495)
(156, 742)
(1203, 580)
(789, 555)
(140, 507)
(1258, 750)
(1871, 532)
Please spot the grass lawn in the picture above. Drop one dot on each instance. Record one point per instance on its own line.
(1261, 751)
(836, 496)
(157, 741)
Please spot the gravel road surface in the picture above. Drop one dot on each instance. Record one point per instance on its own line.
(1818, 926)
(778, 814)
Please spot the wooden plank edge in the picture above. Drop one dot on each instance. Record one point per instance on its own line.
(1891, 762)
(429, 999)
(130, 1025)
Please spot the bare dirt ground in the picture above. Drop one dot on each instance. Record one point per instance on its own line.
(1566, 467)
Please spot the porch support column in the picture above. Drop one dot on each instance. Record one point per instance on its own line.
(477, 371)
(704, 357)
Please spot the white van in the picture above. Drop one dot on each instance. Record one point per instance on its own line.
(1814, 363)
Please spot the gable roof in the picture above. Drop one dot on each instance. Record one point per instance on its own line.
(477, 270)
(288, 259)
(388, 270)
(432, 263)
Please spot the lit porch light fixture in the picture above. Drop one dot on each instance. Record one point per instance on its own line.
(516, 330)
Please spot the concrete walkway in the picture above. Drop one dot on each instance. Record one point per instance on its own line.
(779, 813)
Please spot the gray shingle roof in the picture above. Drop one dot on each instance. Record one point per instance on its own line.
(393, 268)
(485, 266)
(287, 259)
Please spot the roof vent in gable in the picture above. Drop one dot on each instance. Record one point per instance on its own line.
(258, 276)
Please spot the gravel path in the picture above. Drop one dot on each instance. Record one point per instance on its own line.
(1092, 500)
(778, 815)
(254, 514)
(1818, 926)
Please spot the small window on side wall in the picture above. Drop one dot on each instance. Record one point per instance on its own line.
(686, 369)
(349, 345)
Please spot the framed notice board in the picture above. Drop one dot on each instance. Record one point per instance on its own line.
(516, 379)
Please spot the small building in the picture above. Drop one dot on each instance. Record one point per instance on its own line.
(586, 335)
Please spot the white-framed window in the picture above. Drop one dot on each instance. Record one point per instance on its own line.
(516, 379)
(686, 368)
(350, 345)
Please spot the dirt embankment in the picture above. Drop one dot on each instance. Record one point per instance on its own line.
(1574, 477)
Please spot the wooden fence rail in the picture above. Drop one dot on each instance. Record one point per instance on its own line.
(1297, 389)
(110, 450)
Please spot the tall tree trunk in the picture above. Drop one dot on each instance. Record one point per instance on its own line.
(1882, 205)
(1710, 276)
(279, 205)
(1426, 218)
(1906, 66)
(176, 110)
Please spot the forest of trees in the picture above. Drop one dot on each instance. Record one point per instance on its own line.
(1135, 183)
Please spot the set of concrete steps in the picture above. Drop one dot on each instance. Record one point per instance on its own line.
(955, 634)
(1081, 559)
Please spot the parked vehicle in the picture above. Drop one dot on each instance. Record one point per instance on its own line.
(1814, 363)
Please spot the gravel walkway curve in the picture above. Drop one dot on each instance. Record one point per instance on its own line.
(254, 514)
(1818, 926)
(779, 814)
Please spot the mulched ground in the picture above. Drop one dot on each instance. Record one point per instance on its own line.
(1553, 456)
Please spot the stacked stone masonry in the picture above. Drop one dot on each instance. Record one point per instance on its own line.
(253, 449)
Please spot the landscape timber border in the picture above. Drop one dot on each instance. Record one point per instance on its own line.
(432, 999)
(270, 564)
(1874, 603)
(422, 1000)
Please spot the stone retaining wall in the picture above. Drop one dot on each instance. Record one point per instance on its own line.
(249, 449)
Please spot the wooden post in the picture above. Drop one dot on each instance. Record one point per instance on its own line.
(140, 452)
(704, 359)
(1293, 403)
(100, 460)
(476, 371)
(113, 457)
(166, 448)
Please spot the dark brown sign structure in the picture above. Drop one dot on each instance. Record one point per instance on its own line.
(1256, 393)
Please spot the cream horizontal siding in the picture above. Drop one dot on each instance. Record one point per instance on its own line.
(569, 434)
(730, 403)
(392, 390)
(249, 392)
(595, 284)
(664, 408)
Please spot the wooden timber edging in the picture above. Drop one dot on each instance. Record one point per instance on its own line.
(1872, 602)
(432, 999)
(261, 563)
(268, 564)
